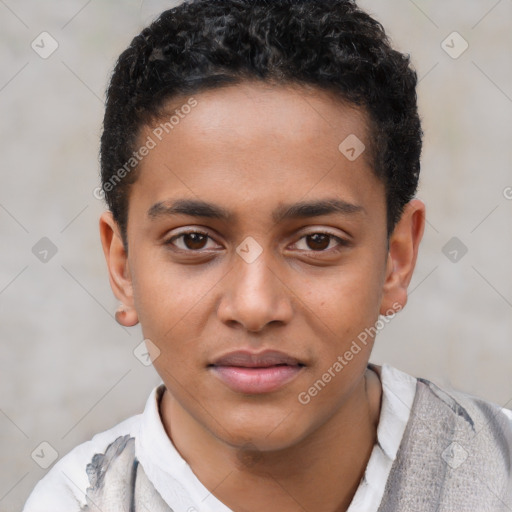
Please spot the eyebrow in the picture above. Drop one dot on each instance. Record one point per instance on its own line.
(301, 210)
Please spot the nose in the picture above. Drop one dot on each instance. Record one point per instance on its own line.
(255, 295)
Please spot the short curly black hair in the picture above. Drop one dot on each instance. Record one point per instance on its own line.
(204, 44)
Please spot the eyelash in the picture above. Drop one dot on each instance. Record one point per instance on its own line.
(341, 241)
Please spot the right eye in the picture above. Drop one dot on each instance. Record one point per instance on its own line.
(189, 241)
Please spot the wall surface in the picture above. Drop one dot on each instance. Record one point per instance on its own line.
(67, 369)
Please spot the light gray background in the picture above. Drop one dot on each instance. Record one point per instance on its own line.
(68, 370)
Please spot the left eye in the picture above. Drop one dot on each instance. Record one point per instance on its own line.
(319, 242)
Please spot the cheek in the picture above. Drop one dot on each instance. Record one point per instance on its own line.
(172, 306)
(348, 298)
(167, 296)
(345, 307)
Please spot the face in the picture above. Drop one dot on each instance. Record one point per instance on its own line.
(257, 254)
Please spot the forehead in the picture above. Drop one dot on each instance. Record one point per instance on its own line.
(257, 142)
(257, 109)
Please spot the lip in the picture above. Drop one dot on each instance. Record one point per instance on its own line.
(255, 373)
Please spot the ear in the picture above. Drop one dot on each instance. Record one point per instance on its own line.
(118, 269)
(404, 243)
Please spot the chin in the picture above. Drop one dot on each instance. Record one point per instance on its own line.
(262, 431)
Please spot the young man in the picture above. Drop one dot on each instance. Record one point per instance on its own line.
(260, 161)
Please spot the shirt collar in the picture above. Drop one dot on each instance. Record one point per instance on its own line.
(170, 474)
(398, 392)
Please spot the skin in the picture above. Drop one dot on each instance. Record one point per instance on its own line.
(250, 149)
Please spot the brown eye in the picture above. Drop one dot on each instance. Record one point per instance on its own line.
(321, 242)
(193, 241)
(318, 241)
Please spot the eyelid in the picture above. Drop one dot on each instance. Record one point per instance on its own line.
(321, 230)
(313, 230)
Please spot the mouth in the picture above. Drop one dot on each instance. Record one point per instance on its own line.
(256, 373)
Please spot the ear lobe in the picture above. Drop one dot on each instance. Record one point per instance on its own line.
(404, 243)
(118, 267)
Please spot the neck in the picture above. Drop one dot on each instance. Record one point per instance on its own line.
(321, 472)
